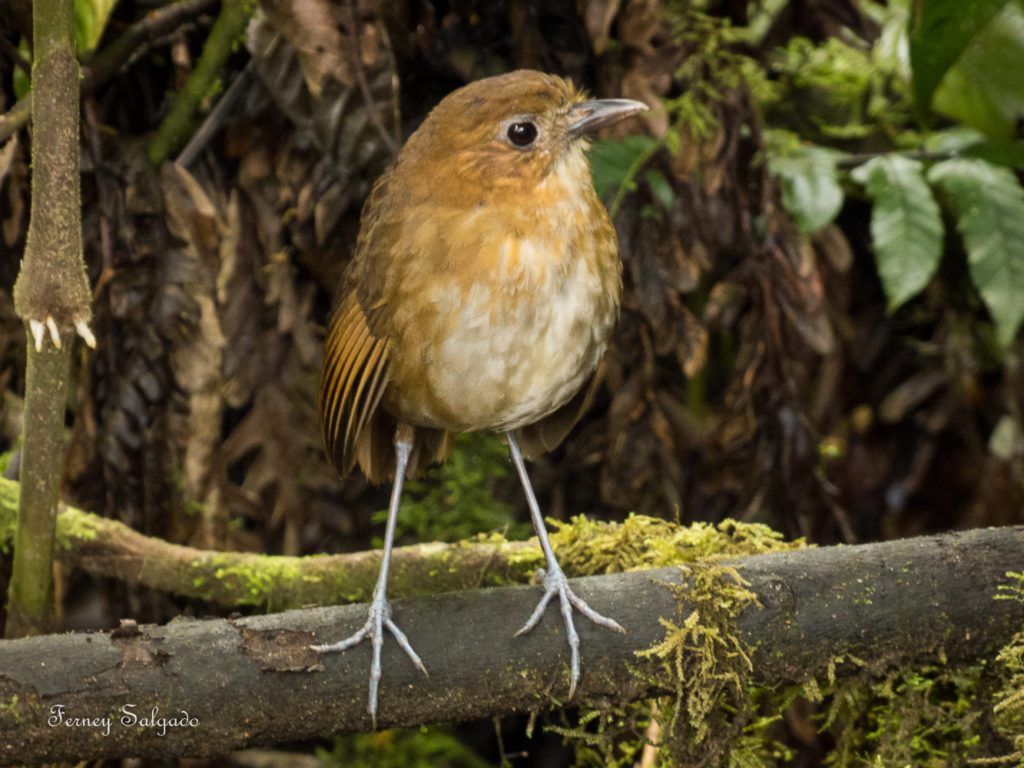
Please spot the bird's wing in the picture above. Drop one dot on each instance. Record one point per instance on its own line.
(547, 433)
(355, 375)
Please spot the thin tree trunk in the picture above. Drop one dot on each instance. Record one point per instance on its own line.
(52, 297)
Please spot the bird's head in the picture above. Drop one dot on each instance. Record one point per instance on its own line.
(506, 136)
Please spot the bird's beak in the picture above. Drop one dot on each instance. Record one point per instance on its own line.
(588, 116)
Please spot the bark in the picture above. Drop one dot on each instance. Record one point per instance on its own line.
(221, 685)
(52, 293)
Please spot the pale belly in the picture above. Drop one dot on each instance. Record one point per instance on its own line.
(508, 360)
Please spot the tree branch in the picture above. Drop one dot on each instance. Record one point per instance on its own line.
(254, 681)
(104, 547)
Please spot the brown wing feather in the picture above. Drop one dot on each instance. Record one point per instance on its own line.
(355, 428)
(548, 433)
(355, 375)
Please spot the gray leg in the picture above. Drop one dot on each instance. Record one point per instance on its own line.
(380, 609)
(555, 582)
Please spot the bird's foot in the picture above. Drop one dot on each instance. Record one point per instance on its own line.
(376, 622)
(555, 583)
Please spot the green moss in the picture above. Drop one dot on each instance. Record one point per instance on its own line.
(716, 715)
(75, 525)
(406, 748)
(12, 708)
(927, 716)
(1008, 709)
(275, 583)
(586, 547)
(8, 513)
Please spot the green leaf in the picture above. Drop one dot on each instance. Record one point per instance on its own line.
(989, 204)
(984, 88)
(660, 187)
(809, 180)
(939, 34)
(613, 163)
(90, 20)
(906, 225)
(1008, 153)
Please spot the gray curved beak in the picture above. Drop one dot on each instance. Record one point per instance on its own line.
(588, 116)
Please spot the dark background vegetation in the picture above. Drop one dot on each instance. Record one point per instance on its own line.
(760, 370)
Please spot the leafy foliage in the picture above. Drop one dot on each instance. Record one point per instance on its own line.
(989, 202)
(809, 180)
(982, 88)
(906, 225)
(960, 46)
(926, 717)
(943, 29)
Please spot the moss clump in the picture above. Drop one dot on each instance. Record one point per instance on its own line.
(588, 547)
(702, 653)
(8, 513)
(74, 525)
(716, 716)
(276, 583)
(927, 717)
(1008, 709)
(401, 748)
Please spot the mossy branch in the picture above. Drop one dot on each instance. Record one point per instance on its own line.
(104, 547)
(252, 681)
(108, 548)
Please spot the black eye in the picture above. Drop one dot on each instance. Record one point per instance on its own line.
(522, 134)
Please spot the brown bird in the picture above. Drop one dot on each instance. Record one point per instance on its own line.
(483, 291)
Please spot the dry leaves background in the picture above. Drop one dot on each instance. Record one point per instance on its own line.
(755, 372)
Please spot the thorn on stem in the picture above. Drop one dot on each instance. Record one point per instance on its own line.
(51, 324)
(86, 333)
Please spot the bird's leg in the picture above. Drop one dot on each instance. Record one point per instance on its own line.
(554, 579)
(380, 609)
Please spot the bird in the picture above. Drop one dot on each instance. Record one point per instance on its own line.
(481, 295)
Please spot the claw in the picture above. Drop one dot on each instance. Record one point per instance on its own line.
(379, 618)
(554, 579)
(555, 583)
(380, 608)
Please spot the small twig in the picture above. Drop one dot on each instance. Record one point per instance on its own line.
(15, 56)
(211, 125)
(364, 86)
(116, 56)
(852, 161)
(17, 117)
(137, 39)
(630, 176)
(177, 126)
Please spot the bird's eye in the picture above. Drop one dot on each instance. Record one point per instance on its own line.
(522, 134)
